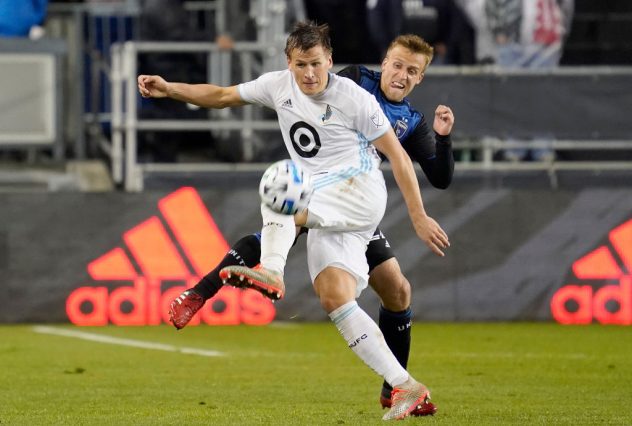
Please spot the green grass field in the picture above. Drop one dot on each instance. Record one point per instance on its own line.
(303, 374)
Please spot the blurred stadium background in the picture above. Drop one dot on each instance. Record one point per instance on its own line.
(99, 190)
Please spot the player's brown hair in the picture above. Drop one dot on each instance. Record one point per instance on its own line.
(308, 34)
(415, 44)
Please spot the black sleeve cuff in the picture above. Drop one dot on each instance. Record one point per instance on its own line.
(446, 140)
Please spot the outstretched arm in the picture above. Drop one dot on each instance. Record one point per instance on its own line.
(427, 229)
(203, 95)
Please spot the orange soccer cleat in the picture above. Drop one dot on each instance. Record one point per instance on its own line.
(266, 282)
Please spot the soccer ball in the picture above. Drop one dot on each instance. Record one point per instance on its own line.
(285, 187)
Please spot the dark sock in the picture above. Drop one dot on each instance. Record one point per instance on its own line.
(396, 329)
(245, 252)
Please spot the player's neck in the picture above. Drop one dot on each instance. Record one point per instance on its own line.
(322, 92)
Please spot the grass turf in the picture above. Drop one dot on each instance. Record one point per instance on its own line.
(302, 374)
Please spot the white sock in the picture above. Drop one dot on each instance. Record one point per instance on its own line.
(277, 236)
(367, 341)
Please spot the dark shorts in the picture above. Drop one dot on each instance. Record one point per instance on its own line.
(378, 251)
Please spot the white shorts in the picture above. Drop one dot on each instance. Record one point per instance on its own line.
(342, 218)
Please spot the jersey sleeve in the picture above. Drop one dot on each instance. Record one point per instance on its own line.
(370, 121)
(433, 152)
(259, 91)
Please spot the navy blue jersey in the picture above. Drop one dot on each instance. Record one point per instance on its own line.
(403, 117)
(433, 152)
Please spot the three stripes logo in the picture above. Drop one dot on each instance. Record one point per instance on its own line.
(605, 294)
(177, 247)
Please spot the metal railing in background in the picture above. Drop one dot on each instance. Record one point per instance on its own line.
(79, 24)
(126, 124)
(104, 103)
(90, 29)
(476, 153)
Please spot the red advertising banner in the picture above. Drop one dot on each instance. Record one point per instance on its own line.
(611, 266)
(181, 244)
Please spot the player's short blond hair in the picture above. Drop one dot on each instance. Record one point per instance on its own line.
(415, 44)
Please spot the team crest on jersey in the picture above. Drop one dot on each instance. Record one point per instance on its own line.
(377, 118)
(327, 115)
(400, 128)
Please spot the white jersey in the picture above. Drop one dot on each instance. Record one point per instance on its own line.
(328, 132)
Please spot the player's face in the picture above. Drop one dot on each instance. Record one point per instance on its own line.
(401, 72)
(310, 69)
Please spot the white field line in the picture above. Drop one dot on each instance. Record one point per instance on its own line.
(123, 342)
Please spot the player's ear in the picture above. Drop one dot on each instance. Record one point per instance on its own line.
(421, 78)
(383, 65)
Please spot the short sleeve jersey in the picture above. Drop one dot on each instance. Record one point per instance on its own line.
(327, 132)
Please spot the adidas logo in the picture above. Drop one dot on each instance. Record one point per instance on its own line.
(608, 304)
(181, 246)
(287, 103)
(381, 236)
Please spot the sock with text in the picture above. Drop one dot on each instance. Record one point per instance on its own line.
(363, 336)
(277, 237)
(245, 252)
(396, 329)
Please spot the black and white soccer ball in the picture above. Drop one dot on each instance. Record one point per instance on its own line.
(285, 187)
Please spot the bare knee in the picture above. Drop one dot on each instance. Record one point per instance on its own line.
(391, 285)
(331, 302)
(334, 287)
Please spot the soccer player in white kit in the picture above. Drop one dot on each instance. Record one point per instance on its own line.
(331, 127)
